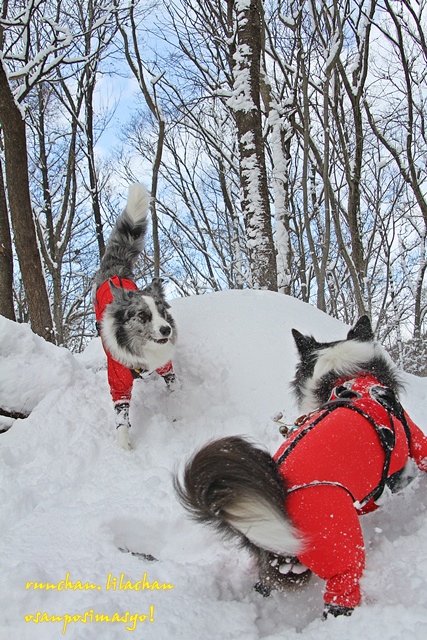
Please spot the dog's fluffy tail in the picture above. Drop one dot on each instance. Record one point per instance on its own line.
(137, 204)
(130, 227)
(235, 486)
(126, 241)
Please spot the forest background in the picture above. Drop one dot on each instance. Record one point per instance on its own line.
(284, 144)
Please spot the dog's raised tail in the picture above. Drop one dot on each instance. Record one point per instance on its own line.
(235, 487)
(137, 203)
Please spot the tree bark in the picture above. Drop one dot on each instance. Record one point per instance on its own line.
(245, 62)
(17, 181)
(6, 257)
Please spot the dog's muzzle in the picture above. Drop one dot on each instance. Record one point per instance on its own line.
(165, 331)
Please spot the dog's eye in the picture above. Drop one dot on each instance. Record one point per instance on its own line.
(144, 316)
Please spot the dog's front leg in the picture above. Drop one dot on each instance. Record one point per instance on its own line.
(123, 425)
(168, 375)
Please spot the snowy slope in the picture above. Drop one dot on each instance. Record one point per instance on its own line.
(71, 498)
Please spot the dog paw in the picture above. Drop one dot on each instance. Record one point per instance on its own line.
(282, 572)
(263, 589)
(289, 565)
(336, 610)
(123, 437)
(171, 381)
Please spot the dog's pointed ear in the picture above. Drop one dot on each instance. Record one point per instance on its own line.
(119, 294)
(362, 330)
(304, 344)
(155, 288)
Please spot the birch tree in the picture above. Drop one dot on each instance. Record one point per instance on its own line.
(244, 102)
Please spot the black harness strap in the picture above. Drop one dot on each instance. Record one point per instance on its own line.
(329, 408)
(387, 399)
(304, 432)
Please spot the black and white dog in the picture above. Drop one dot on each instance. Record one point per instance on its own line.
(298, 511)
(137, 330)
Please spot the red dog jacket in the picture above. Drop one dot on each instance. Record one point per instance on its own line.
(333, 465)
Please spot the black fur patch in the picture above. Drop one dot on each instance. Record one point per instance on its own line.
(308, 349)
(362, 330)
(122, 336)
(132, 231)
(156, 291)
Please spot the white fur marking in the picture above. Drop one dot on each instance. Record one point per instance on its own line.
(137, 203)
(157, 320)
(264, 527)
(346, 359)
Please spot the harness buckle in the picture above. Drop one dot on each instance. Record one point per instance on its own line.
(286, 429)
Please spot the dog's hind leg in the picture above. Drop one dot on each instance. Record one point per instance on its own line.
(283, 573)
(328, 519)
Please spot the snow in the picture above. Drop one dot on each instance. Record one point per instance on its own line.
(73, 502)
(241, 99)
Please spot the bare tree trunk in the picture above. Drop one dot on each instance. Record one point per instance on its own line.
(18, 191)
(418, 306)
(6, 257)
(281, 137)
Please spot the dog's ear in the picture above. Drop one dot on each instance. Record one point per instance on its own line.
(120, 294)
(305, 344)
(362, 330)
(155, 288)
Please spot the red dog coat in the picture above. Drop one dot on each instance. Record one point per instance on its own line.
(332, 465)
(120, 378)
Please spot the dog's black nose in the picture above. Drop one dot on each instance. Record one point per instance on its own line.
(165, 330)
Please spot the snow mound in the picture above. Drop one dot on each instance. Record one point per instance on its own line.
(103, 525)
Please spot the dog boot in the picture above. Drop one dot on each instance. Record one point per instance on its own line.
(123, 425)
(336, 610)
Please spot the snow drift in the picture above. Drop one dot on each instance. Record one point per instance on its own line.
(95, 545)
